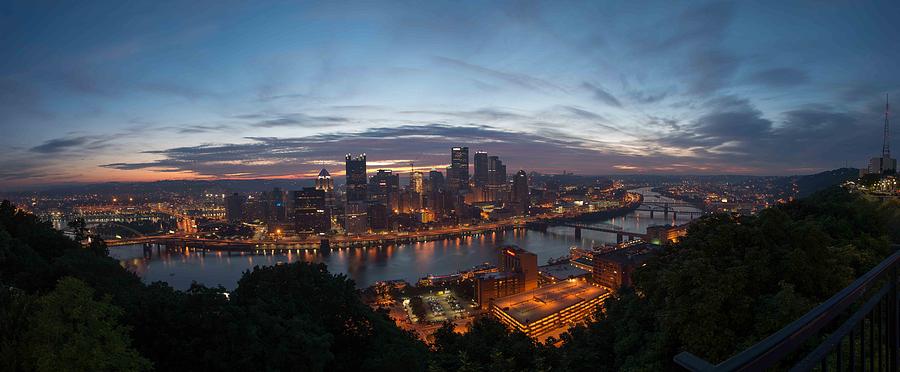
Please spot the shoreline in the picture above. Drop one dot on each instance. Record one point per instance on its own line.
(341, 242)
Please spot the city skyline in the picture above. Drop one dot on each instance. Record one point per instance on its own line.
(146, 92)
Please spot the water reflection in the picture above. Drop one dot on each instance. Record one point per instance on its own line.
(179, 266)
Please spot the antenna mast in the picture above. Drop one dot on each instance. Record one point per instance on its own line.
(886, 147)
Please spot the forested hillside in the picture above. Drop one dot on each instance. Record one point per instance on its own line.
(731, 282)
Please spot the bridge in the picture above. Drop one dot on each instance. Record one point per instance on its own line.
(856, 329)
(621, 234)
(666, 210)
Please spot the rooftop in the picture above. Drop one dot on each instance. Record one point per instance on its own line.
(634, 254)
(534, 305)
(496, 275)
(562, 271)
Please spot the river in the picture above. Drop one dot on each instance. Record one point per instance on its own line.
(180, 267)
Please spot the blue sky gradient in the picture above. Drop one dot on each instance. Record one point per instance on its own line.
(169, 90)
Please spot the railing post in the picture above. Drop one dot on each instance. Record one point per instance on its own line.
(894, 341)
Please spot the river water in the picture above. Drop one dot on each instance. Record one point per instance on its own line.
(180, 267)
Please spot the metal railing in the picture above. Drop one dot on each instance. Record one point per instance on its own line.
(867, 340)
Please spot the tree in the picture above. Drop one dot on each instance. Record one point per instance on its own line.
(317, 319)
(418, 307)
(80, 228)
(734, 280)
(487, 346)
(73, 331)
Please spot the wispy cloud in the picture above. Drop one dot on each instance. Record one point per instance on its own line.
(601, 94)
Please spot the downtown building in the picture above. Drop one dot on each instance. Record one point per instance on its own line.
(234, 208)
(355, 217)
(550, 309)
(521, 198)
(384, 198)
(458, 172)
(311, 212)
(613, 269)
(517, 271)
(357, 180)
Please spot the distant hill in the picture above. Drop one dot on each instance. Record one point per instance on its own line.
(809, 184)
(189, 186)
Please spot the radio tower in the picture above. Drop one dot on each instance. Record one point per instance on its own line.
(886, 147)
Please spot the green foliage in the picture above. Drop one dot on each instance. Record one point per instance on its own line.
(487, 346)
(72, 331)
(339, 332)
(39, 236)
(15, 308)
(417, 304)
(731, 282)
(735, 280)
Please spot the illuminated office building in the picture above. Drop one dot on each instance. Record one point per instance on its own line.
(554, 307)
(234, 208)
(356, 178)
(458, 172)
(311, 214)
(481, 175)
(516, 272)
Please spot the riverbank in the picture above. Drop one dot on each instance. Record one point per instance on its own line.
(632, 202)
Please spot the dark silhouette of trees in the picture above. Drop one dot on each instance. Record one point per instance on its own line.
(731, 282)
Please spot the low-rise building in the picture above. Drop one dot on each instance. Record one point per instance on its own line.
(516, 272)
(550, 308)
(613, 269)
(558, 272)
(661, 234)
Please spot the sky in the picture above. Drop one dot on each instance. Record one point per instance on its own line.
(150, 90)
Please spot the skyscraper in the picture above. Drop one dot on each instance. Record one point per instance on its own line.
(458, 176)
(436, 180)
(311, 215)
(481, 168)
(356, 220)
(520, 195)
(325, 183)
(277, 206)
(384, 188)
(436, 188)
(356, 178)
(234, 208)
(496, 171)
(417, 182)
(417, 190)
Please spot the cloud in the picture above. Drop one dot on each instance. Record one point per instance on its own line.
(601, 94)
(647, 98)
(519, 80)
(584, 113)
(779, 77)
(709, 70)
(273, 156)
(60, 145)
(486, 113)
(178, 90)
(192, 129)
(296, 119)
(733, 130)
(74, 143)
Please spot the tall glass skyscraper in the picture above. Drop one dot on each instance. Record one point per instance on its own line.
(458, 179)
(356, 178)
(481, 168)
